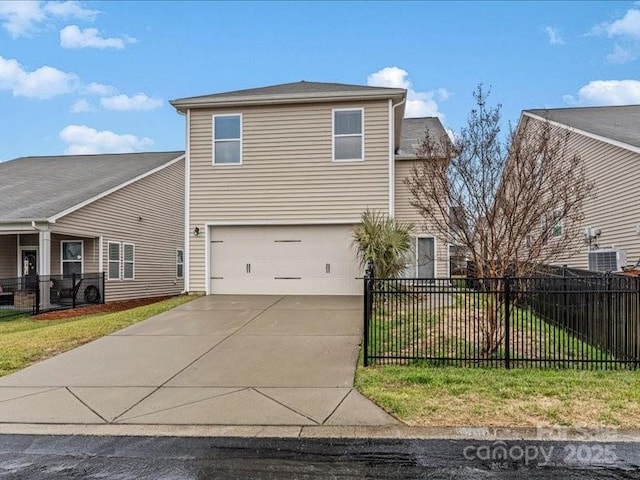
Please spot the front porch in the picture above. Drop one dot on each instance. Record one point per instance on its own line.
(45, 270)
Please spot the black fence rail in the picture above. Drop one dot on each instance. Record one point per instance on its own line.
(38, 293)
(543, 321)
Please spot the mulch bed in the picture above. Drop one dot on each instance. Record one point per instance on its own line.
(100, 308)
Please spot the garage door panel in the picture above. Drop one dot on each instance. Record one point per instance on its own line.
(283, 260)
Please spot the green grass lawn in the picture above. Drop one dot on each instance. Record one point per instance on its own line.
(452, 396)
(24, 341)
(408, 325)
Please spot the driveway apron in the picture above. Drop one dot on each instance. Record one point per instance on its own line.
(218, 360)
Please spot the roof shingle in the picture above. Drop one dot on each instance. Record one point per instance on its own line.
(35, 188)
(620, 123)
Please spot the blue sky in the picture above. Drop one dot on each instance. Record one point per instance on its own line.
(80, 77)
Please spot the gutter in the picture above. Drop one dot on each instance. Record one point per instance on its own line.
(196, 102)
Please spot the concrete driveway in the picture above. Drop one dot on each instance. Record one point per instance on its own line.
(218, 360)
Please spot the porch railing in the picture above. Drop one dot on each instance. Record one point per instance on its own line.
(36, 294)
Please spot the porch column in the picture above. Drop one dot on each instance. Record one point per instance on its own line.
(44, 265)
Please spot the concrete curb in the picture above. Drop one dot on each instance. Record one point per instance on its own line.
(335, 432)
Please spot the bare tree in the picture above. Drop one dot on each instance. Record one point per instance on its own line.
(512, 204)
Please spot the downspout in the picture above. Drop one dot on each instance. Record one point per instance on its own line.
(392, 155)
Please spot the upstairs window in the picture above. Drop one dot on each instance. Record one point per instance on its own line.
(227, 139)
(348, 139)
(558, 229)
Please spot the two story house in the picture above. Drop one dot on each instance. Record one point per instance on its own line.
(276, 178)
(608, 141)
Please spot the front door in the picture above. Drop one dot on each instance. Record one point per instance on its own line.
(29, 263)
(29, 267)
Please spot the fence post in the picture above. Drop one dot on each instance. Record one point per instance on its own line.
(368, 280)
(37, 295)
(73, 290)
(507, 315)
(102, 289)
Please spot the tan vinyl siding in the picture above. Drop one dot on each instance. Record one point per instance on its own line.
(8, 256)
(287, 174)
(616, 206)
(148, 213)
(404, 211)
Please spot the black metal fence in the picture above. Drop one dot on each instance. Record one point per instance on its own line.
(542, 321)
(38, 293)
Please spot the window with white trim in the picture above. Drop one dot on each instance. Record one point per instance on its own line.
(558, 229)
(72, 257)
(227, 139)
(121, 261)
(128, 261)
(179, 263)
(348, 138)
(114, 261)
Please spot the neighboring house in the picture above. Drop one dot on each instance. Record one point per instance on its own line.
(608, 141)
(278, 176)
(122, 214)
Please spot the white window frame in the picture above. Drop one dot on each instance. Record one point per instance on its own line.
(132, 262)
(63, 261)
(179, 263)
(213, 140)
(119, 261)
(334, 136)
(558, 223)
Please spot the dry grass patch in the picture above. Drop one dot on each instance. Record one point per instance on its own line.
(504, 398)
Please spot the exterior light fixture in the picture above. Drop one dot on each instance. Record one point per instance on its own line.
(196, 231)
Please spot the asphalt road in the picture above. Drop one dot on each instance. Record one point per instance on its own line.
(65, 457)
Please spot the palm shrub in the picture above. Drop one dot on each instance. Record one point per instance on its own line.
(383, 241)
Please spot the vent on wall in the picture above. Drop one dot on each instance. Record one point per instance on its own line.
(607, 260)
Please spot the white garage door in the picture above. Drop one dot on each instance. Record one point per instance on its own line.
(316, 260)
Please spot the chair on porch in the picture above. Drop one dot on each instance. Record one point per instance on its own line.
(64, 289)
(6, 298)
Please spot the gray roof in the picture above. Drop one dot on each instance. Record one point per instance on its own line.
(36, 188)
(620, 123)
(413, 133)
(289, 91)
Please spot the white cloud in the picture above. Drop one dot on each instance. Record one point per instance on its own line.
(86, 140)
(627, 31)
(82, 106)
(124, 102)
(622, 54)
(419, 104)
(70, 9)
(607, 92)
(73, 36)
(100, 89)
(628, 25)
(44, 82)
(18, 18)
(554, 36)
(23, 18)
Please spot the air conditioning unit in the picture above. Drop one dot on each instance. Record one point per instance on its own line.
(607, 260)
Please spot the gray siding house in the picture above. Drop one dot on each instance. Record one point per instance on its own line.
(278, 176)
(122, 214)
(608, 141)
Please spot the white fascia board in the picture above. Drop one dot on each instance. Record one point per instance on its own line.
(80, 205)
(275, 223)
